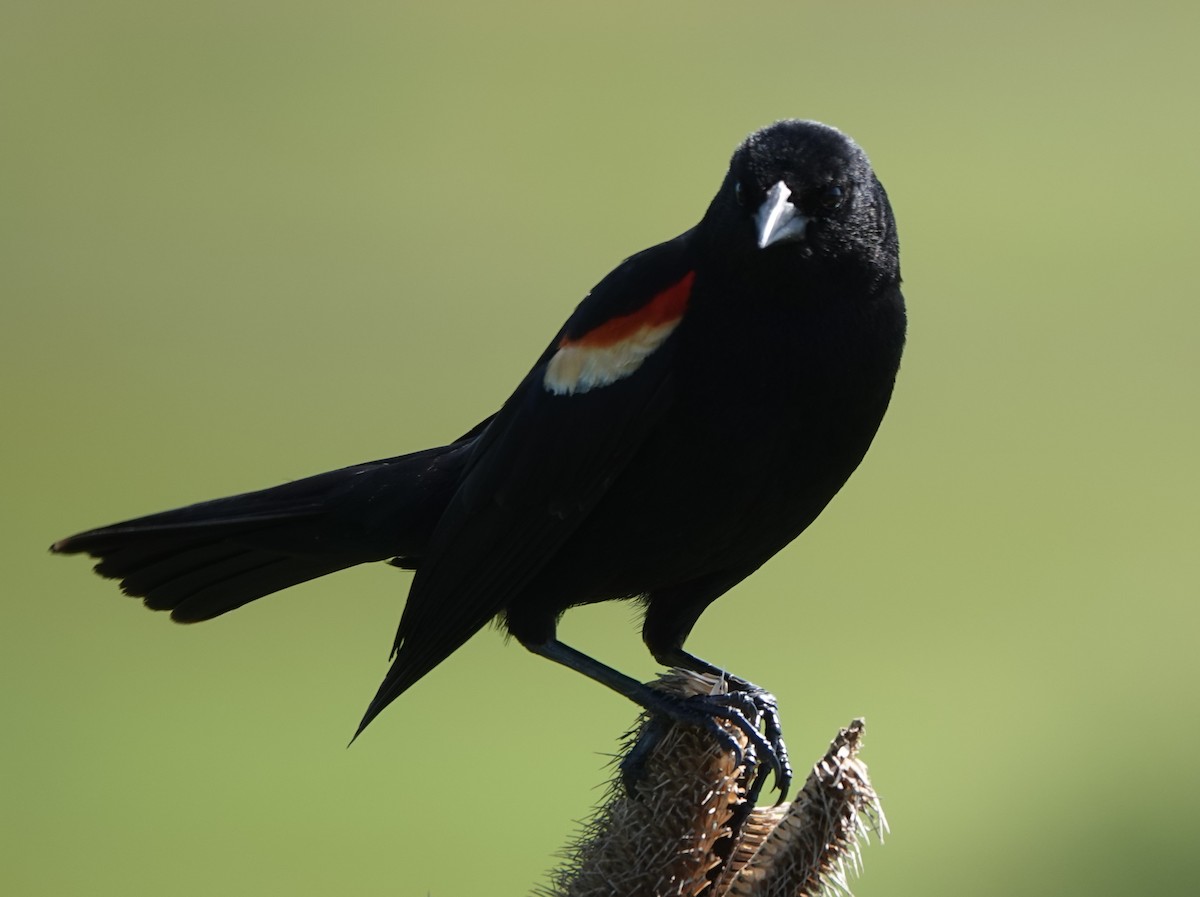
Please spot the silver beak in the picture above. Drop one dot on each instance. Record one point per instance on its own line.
(777, 219)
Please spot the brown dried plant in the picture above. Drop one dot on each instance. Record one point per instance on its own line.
(688, 829)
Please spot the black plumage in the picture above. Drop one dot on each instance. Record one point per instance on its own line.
(695, 413)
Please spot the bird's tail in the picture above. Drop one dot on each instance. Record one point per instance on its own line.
(205, 559)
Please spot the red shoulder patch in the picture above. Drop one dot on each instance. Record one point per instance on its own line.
(664, 309)
(615, 349)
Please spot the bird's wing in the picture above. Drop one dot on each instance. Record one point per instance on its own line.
(541, 464)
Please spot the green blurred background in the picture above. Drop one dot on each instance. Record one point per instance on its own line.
(246, 242)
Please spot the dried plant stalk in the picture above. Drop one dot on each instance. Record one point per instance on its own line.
(689, 832)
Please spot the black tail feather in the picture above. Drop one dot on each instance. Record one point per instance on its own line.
(206, 559)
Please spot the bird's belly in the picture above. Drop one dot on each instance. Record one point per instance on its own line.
(717, 494)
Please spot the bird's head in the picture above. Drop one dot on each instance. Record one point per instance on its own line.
(800, 192)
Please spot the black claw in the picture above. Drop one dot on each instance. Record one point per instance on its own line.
(767, 709)
(735, 708)
(757, 704)
(745, 707)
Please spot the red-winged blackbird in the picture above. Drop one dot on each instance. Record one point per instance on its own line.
(696, 412)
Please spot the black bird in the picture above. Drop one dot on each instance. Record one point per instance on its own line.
(695, 414)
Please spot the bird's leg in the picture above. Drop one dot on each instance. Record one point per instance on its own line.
(670, 615)
(702, 710)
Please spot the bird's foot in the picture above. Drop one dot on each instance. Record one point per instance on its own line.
(743, 709)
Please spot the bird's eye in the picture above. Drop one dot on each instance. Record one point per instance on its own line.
(739, 193)
(831, 197)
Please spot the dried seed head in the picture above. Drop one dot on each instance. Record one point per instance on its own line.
(688, 832)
